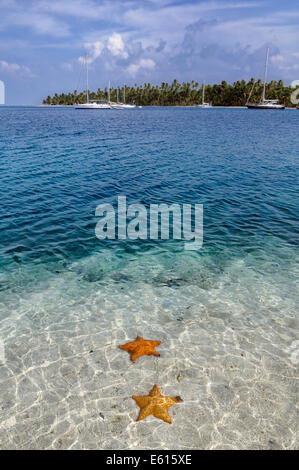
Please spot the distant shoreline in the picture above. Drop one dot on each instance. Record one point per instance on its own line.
(144, 106)
(184, 94)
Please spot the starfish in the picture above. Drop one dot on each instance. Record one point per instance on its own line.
(155, 404)
(141, 347)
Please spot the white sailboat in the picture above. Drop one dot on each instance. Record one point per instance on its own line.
(203, 104)
(91, 104)
(123, 105)
(264, 104)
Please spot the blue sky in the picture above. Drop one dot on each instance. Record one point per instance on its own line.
(136, 41)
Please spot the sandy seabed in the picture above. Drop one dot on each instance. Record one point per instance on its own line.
(228, 350)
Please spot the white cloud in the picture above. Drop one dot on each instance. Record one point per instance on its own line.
(147, 64)
(133, 69)
(40, 24)
(13, 14)
(14, 68)
(116, 46)
(44, 24)
(94, 50)
(5, 66)
(277, 59)
(284, 63)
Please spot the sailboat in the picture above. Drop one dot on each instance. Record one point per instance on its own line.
(90, 104)
(203, 104)
(264, 104)
(123, 105)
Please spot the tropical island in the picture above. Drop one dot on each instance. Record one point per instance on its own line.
(185, 94)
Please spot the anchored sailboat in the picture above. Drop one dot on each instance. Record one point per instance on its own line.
(264, 104)
(203, 104)
(90, 104)
(123, 105)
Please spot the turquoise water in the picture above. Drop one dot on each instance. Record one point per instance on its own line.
(226, 314)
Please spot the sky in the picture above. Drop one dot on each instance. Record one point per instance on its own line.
(137, 41)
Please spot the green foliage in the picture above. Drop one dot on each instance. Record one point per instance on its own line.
(185, 94)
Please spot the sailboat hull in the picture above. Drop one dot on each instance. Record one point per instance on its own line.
(92, 106)
(122, 106)
(265, 106)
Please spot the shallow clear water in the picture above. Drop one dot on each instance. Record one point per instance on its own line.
(226, 314)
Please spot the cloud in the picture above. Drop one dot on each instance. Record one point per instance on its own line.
(19, 14)
(93, 50)
(86, 9)
(116, 46)
(40, 24)
(285, 63)
(44, 24)
(148, 64)
(173, 17)
(277, 59)
(5, 66)
(15, 68)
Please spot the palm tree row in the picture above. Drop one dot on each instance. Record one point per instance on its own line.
(185, 94)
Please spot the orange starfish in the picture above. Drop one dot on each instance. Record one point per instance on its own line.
(155, 404)
(141, 347)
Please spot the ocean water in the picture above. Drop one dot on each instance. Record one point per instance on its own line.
(226, 314)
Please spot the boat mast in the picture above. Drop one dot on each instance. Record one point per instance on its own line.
(86, 64)
(109, 92)
(265, 76)
(117, 100)
(250, 93)
(203, 92)
(124, 94)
